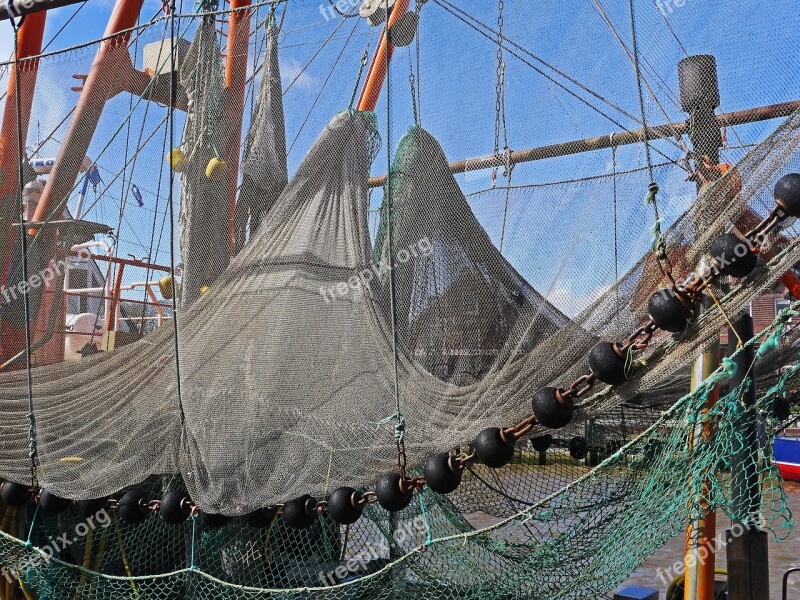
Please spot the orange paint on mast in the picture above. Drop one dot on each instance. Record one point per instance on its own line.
(235, 81)
(29, 44)
(376, 75)
(102, 83)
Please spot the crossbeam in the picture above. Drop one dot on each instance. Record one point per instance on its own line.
(621, 138)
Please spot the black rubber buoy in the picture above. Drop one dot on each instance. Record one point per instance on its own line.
(175, 507)
(441, 474)
(492, 449)
(787, 194)
(542, 443)
(261, 518)
(578, 448)
(132, 507)
(344, 505)
(668, 312)
(212, 521)
(15, 494)
(607, 364)
(548, 410)
(732, 255)
(50, 503)
(89, 508)
(390, 495)
(301, 512)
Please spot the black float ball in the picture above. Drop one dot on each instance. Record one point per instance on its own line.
(344, 505)
(53, 504)
(133, 507)
(548, 410)
(89, 508)
(732, 255)
(441, 474)
(607, 364)
(542, 443)
(301, 512)
(492, 449)
(15, 494)
(390, 494)
(668, 312)
(787, 194)
(261, 518)
(212, 521)
(174, 507)
(578, 448)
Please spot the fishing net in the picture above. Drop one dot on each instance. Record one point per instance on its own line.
(288, 368)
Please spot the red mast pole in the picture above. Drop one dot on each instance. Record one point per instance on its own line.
(235, 79)
(29, 44)
(102, 82)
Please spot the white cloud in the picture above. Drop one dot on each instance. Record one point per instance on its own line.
(572, 302)
(291, 70)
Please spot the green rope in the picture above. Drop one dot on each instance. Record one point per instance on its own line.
(192, 566)
(399, 428)
(429, 537)
(28, 542)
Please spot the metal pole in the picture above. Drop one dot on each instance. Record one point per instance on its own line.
(19, 8)
(747, 549)
(623, 138)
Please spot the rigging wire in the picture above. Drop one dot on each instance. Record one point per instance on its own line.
(444, 5)
(23, 236)
(448, 6)
(633, 60)
(173, 94)
(311, 60)
(322, 88)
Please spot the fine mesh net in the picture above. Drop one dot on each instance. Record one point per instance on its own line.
(297, 349)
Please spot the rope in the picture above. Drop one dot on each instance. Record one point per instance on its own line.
(400, 427)
(23, 237)
(645, 132)
(173, 93)
(725, 315)
(429, 536)
(616, 224)
(192, 566)
(362, 66)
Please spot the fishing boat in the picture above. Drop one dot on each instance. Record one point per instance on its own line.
(361, 299)
(787, 456)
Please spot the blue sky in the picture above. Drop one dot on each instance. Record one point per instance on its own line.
(558, 237)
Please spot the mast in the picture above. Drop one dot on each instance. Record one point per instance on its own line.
(376, 75)
(30, 38)
(235, 80)
(101, 83)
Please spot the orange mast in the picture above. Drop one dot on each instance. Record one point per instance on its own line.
(377, 68)
(29, 45)
(235, 79)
